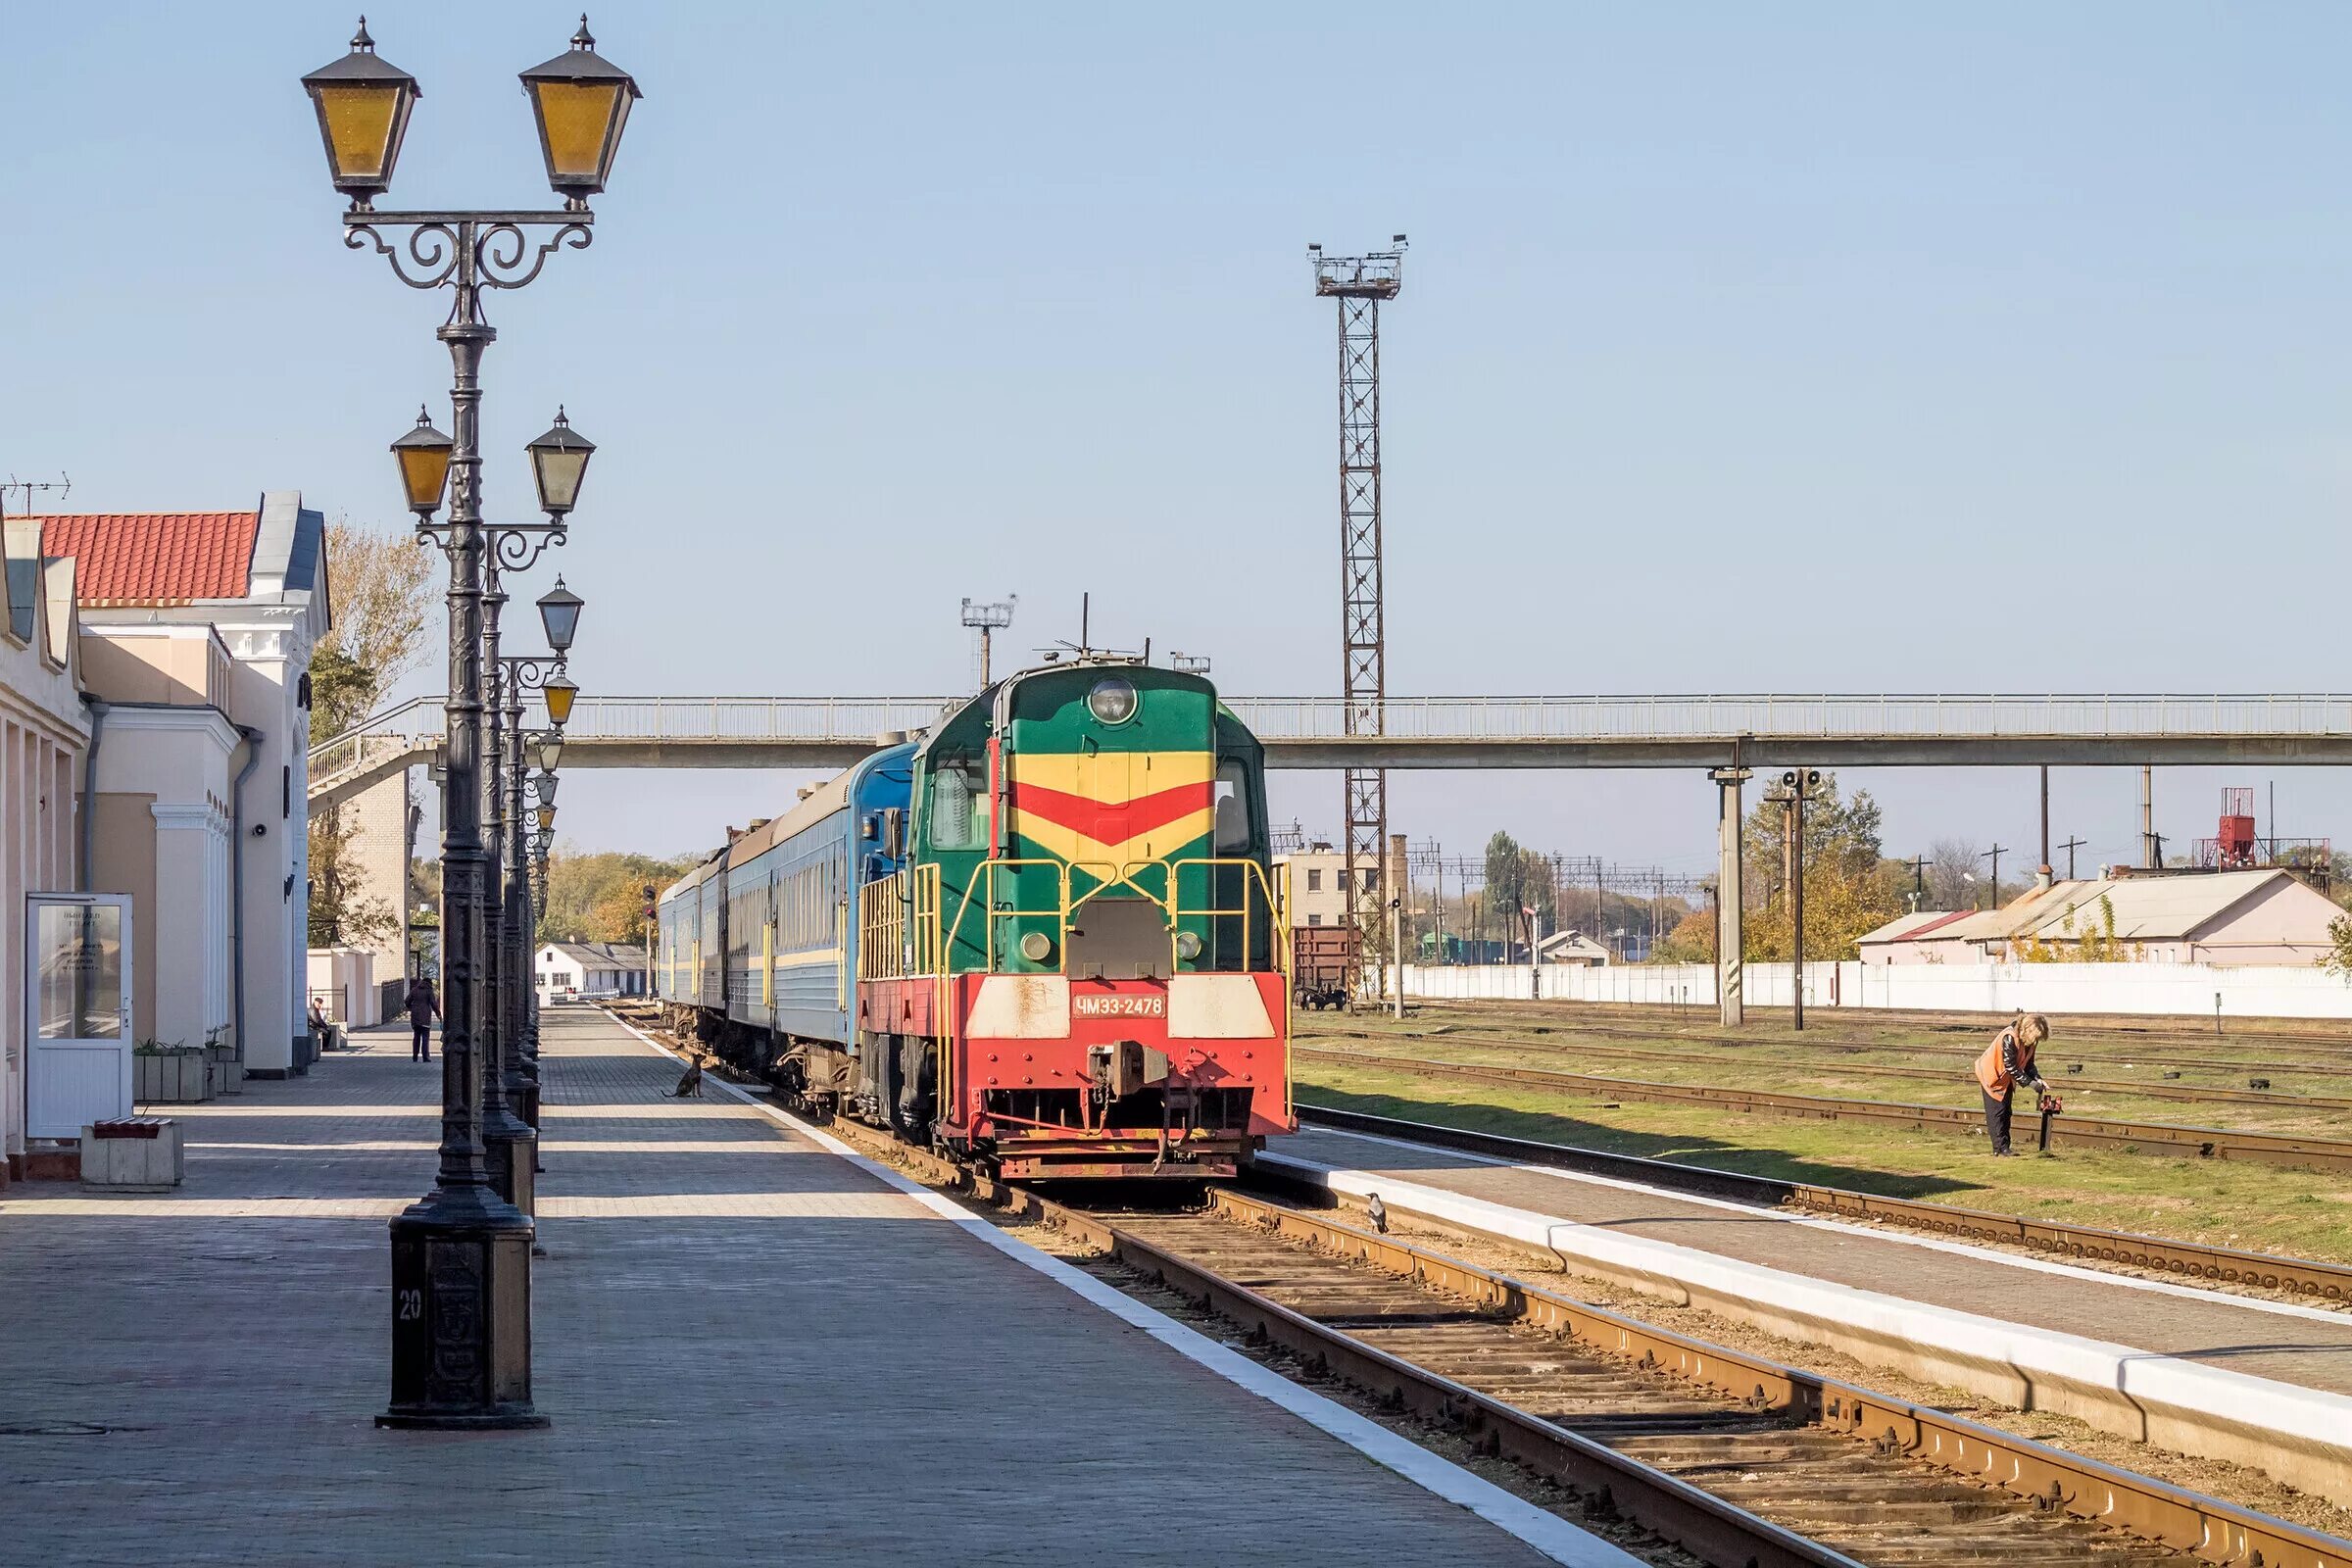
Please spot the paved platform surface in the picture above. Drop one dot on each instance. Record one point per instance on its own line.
(752, 1350)
(2312, 1348)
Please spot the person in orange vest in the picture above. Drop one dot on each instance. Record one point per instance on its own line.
(2007, 1062)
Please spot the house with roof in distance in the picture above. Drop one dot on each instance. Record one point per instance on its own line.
(196, 630)
(568, 970)
(2221, 918)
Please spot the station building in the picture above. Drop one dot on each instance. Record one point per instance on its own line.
(195, 634)
(44, 737)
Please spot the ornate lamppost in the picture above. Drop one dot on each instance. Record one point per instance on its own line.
(461, 1256)
(559, 617)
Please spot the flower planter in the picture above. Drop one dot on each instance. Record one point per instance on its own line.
(228, 1073)
(171, 1078)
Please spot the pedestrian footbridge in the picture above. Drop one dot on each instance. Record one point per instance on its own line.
(1695, 731)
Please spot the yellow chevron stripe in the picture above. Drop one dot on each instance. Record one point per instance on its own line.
(1112, 777)
(1069, 845)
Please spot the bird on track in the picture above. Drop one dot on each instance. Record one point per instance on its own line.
(1379, 1213)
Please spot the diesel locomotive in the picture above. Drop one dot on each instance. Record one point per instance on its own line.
(1048, 937)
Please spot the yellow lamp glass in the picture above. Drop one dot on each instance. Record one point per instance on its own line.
(560, 694)
(363, 103)
(547, 819)
(358, 122)
(575, 118)
(425, 475)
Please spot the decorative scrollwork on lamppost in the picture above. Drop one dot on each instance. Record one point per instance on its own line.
(461, 1256)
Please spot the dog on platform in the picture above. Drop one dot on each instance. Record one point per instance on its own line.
(691, 1085)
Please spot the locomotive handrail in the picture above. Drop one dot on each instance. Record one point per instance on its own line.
(1177, 909)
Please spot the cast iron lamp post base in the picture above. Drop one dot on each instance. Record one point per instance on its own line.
(513, 1155)
(461, 1317)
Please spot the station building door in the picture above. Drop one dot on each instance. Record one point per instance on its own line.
(78, 969)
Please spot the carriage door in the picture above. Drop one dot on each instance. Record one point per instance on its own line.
(78, 1011)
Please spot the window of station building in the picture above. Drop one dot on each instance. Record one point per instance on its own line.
(1314, 882)
(959, 814)
(1314, 919)
(1235, 832)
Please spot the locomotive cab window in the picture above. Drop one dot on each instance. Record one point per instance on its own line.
(959, 816)
(1235, 832)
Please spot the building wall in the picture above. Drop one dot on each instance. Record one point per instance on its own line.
(122, 861)
(378, 856)
(164, 836)
(43, 732)
(185, 666)
(1318, 887)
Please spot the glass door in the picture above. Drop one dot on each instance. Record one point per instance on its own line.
(77, 997)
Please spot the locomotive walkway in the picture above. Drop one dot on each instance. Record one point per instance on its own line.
(752, 1349)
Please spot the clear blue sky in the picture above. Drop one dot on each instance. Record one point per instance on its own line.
(1844, 346)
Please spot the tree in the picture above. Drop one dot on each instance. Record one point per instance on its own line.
(1691, 941)
(1956, 862)
(2339, 961)
(599, 898)
(1850, 888)
(380, 588)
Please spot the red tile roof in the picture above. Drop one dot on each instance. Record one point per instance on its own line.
(153, 558)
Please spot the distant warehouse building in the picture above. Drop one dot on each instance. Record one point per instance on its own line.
(2226, 917)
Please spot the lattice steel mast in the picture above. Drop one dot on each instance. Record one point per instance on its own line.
(1359, 284)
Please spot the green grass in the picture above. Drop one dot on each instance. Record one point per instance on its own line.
(1834, 1060)
(2261, 1208)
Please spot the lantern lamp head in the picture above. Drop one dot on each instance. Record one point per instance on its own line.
(581, 101)
(560, 616)
(423, 458)
(558, 462)
(363, 102)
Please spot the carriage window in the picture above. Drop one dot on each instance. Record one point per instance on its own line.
(1233, 828)
(959, 804)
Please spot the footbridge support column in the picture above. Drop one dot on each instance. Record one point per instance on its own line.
(1728, 927)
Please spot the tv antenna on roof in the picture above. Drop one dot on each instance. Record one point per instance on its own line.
(63, 485)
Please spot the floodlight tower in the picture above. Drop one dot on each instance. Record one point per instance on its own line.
(1359, 284)
(986, 618)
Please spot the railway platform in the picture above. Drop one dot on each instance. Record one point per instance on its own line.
(751, 1348)
(2256, 1381)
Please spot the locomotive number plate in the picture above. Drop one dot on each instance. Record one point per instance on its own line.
(1150, 1004)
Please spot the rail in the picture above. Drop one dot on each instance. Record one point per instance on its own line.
(2129, 1137)
(2176, 1260)
(2053, 1481)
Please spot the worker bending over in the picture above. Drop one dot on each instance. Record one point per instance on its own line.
(2007, 1062)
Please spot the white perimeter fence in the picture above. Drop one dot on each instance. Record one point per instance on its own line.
(2190, 989)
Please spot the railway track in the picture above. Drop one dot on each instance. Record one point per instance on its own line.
(2328, 1064)
(2142, 1031)
(1959, 1066)
(1738, 1461)
(2179, 1260)
(2127, 1137)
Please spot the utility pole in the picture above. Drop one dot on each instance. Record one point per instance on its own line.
(1996, 858)
(1730, 997)
(1360, 283)
(2046, 824)
(2069, 847)
(1400, 887)
(1918, 879)
(1794, 787)
(2148, 817)
(986, 618)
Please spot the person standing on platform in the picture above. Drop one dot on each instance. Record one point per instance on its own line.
(2007, 1062)
(422, 1006)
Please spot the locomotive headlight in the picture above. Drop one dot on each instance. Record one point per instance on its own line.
(1112, 699)
(1188, 945)
(1037, 946)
